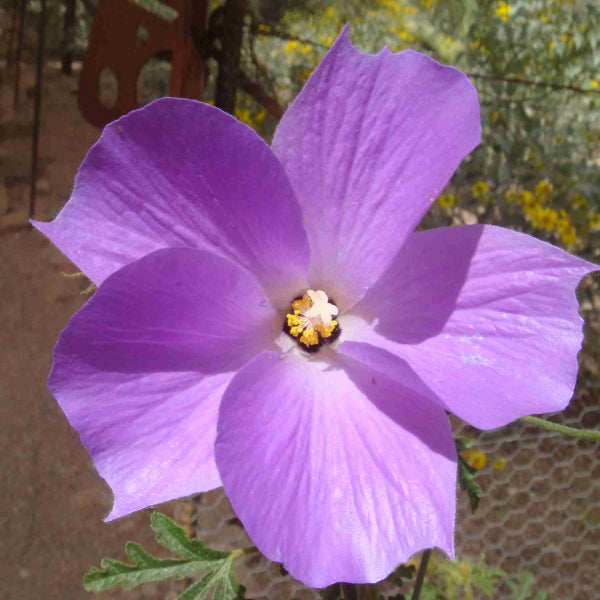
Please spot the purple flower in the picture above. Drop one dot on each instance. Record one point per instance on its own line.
(267, 320)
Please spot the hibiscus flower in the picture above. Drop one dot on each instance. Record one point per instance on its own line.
(267, 320)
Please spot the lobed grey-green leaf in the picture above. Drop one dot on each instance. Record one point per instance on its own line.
(174, 538)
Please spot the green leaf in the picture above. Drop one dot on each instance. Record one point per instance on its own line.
(463, 443)
(222, 581)
(402, 573)
(195, 557)
(199, 590)
(467, 474)
(145, 568)
(175, 539)
(525, 587)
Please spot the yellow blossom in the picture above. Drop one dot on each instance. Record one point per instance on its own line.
(544, 218)
(569, 236)
(595, 221)
(526, 198)
(447, 200)
(594, 84)
(543, 189)
(243, 114)
(500, 464)
(475, 458)
(291, 46)
(503, 11)
(566, 231)
(480, 188)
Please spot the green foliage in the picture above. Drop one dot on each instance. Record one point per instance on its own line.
(341, 591)
(402, 574)
(536, 65)
(467, 473)
(468, 578)
(193, 557)
(524, 588)
(462, 579)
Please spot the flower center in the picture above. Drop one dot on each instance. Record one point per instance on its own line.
(310, 320)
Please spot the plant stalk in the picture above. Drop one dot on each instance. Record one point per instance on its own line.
(589, 435)
(421, 575)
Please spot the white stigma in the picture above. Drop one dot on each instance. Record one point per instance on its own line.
(321, 310)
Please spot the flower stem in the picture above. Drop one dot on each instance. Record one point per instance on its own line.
(421, 575)
(244, 551)
(589, 435)
(359, 591)
(349, 591)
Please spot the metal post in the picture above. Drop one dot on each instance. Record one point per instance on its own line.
(13, 26)
(68, 36)
(22, 4)
(39, 65)
(231, 34)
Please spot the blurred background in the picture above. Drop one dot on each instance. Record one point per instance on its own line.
(70, 66)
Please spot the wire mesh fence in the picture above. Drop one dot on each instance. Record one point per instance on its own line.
(540, 512)
(540, 503)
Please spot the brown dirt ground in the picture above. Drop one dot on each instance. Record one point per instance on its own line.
(52, 499)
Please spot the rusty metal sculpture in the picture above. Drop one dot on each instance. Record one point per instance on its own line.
(116, 44)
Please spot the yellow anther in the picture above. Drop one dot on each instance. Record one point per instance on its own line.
(310, 319)
(292, 320)
(303, 304)
(326, 331)
(309, 337)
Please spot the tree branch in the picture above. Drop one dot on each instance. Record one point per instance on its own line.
(205, 44)
(255, 90)
(282, 35)
(540, 84)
